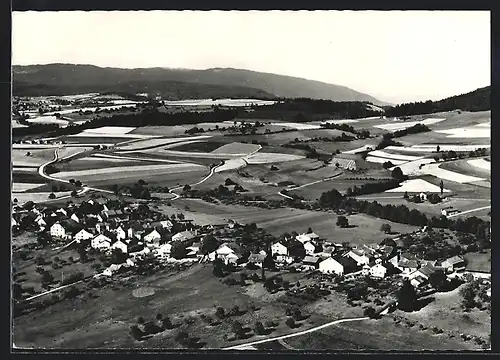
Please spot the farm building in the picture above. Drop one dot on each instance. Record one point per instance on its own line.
(331, 266)
(183, 236)
(279, 249)
(256, 259)
(309, 248)
(83, 235)
(455, 263)
(359, 256)
(120, 245)
(153, 236)
(101, 242)
(378, 271)
(311, 262)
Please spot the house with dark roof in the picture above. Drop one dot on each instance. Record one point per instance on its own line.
(256, 259)
(455, 263)
(407, 266)
(311, 262)
(350, 265)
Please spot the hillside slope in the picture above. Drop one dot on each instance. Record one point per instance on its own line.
(477, 100)
(174, 83)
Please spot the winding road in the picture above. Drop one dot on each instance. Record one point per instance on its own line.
(212, 171)
(277, 338)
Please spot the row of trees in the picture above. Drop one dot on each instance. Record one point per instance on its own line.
(477, 100)
(333, 199)
(362, 134)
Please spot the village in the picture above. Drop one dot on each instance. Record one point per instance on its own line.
(131, 232)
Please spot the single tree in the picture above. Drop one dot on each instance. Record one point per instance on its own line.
(290, 322)
(438, 148)
(386, 228)
(397, 173)
(342, 221)
(441, 186)
(407, 296)
(52, 196)
(259, 328)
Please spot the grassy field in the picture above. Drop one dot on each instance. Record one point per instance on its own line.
(463, 167)
(205, 146)
(445, 312)
(93, 163)
(37, 196)
(479, 261)
(37, 157)
(175, 130)
(368, 335)
(279, 221)
(104, 321)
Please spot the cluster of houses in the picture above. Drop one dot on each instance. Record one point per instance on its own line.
(132, 231)
(337, 259)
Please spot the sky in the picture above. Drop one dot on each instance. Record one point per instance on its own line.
(395, 56)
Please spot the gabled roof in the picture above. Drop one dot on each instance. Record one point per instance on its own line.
(311, 259)
(313, 235)
(413, 264)
(427, 270)
(256, 258)
(455, 260)
(358, 252)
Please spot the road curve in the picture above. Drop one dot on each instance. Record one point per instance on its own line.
(469, 211)
(335, 322)
(212, 171)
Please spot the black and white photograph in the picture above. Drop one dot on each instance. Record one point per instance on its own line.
(266, 181)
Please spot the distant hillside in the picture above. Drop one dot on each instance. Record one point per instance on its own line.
(477, 100)
(174, 84)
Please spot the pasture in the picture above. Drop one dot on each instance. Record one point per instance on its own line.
(365, 230)
(36, 157)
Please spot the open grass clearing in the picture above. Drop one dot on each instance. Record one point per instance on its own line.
(380, 160)
(479, 261)
(169, 131)
(96, 166)
(231, 164)
(237, 148)
(370, 334)
(157, 142)
(481, 164)
(124, 170)
(392, 156)
(201, 146)
(281, 220)
(400, 125)
(415, 186)
(37, 197)
(110, 130)
(467, 132)
(266, 158)
(18, 187)
(438, 171)
(48, 120)
(298, 126)
(464, 167)
(37, 157)
(445, 312)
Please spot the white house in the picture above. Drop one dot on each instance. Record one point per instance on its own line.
(120, 245)
(130, 262)
(75, 217)
(163, 250)
(83, 235)
(423, 196)
(331, 266)
(407, 266)
(303, 238)
(358, 256)
(279, 249)
(182, 236)
(100, 242)
(378, 271)
(231, 258)
(101, 227)
(113, 268)
(309, 248)
(153, 236)
(167, 224)
(57, 230)
(222, 252)
(144, 251)
(39, 220)
(62, 211)
(120, 233)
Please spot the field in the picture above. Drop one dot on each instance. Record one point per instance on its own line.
(446, 313)
(127, 171)
(36, 158)
(373, 335)
(104, 321)
(236, 148)
(479, 261)
(157, 142)
(415, 186)
(279, 221)
(37, 196)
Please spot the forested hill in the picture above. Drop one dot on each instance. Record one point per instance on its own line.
(174, 84)
(477, 100)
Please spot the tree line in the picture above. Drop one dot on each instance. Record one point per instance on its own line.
(477, 100)
(333, 199)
